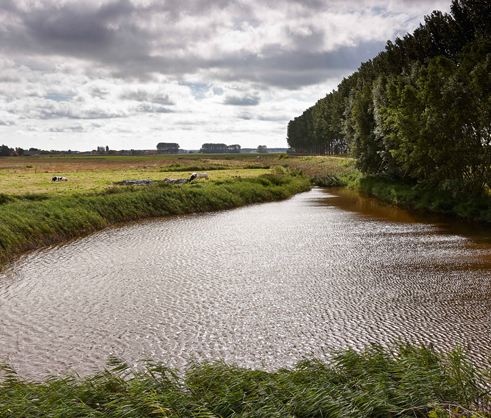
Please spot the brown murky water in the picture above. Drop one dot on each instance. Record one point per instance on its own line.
(260, 286)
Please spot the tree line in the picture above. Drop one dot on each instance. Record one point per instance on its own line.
(420, 110)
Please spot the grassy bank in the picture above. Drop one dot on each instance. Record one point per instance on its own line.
(32, 220)
(447, 202)
(324, 171)
(402, 381)
(328, 171)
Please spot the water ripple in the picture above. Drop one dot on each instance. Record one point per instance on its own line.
(261, 286)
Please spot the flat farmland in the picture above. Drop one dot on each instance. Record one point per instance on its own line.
(21, 175)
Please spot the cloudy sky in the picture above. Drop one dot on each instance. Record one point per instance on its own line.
(77, 74)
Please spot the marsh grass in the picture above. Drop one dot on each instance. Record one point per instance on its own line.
(401, 381)
(32, 220)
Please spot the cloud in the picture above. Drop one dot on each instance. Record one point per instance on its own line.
(247, 100)
(149, 108)
(146, 96)
(219, 66)
(40, 108)
(215, 39)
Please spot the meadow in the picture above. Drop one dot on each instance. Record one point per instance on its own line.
(86, 174)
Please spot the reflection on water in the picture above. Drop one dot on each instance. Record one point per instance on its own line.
(260, 286)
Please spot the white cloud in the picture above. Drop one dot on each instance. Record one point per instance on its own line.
(231, 71)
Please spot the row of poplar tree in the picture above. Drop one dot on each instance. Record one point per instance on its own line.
(420, 110)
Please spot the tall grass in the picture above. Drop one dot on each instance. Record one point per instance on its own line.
(400, 381)
(30, 221)
(324, 171)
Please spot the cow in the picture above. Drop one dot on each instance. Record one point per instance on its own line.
(197, 176)
(57, 178)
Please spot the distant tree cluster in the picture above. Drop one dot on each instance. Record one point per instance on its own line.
(167, 148)
(6, 151)
(420, 110)
(219, 149)
(263, 149)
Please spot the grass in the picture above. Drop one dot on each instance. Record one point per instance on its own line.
(399, 381)
(325, 171)
(21, 175)
(33, 220)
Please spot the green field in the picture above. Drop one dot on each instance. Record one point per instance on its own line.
(85, 174)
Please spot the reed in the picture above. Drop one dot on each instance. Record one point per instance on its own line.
(30, 221)
(400, 381)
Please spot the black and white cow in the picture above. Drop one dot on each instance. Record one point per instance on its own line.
(57, 178)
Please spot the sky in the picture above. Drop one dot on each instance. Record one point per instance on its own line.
(128, 74)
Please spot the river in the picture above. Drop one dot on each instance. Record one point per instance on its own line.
(260, 286)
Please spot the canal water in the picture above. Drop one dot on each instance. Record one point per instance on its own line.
(261, 286)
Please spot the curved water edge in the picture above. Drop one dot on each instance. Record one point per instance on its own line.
(260, 286)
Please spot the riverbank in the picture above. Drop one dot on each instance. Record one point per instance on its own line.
(402, 381)
(431, 200)
(341, 172)
(33, 220)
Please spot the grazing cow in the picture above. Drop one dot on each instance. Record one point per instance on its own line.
(57, 178)
(197, 176)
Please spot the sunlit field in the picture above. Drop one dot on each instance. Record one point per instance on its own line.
(88, 174)
(23, 175)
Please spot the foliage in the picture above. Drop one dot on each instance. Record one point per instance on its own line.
(5, 151)
(420, 110)
(214, 148)
(402, 380)
(168, 147)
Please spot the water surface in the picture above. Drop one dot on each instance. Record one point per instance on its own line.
(260, 286)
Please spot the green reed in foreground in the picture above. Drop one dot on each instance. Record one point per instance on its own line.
(30, 221)
(402, 381)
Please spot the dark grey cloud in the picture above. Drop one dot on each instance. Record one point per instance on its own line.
(246, 100)
(115, 36)
(145, 96)
(313, 40)
(10, 79)
(43, 109)
(294, 69)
